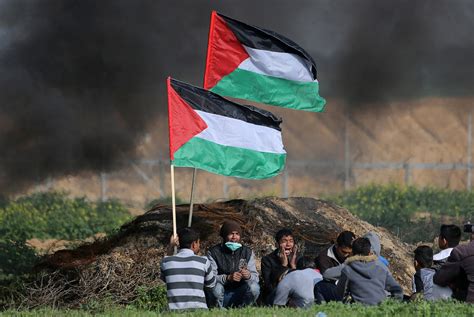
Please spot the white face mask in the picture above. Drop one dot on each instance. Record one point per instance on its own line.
(233, 245)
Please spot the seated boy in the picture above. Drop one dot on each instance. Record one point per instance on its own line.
(285, 257)
(296, 287)
(365, 277)
(449, 237)
(423, 279)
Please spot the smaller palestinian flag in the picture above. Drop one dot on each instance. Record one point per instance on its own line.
(248, 62)
(214, 134)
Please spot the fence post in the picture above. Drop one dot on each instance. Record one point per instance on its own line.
(407, 168)
(284, 182)
(469, 150)
(103, 186)
(225, 187)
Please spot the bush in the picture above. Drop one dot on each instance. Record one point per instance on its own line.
(52, 215)
(49, 215)
(413, 214)
(151, 299)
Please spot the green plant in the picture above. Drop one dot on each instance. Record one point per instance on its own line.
(413, 214)
(50, 215)
(151, 298)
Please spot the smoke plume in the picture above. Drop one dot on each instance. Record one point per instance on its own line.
(82, 80)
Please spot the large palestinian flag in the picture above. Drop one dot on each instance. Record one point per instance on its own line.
(252, 63)
(214, 134)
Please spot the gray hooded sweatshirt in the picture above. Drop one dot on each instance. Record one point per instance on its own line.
(367, 279)
(334, 273)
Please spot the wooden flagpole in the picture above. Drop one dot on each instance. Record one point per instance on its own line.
(173, 201)
(191, 200)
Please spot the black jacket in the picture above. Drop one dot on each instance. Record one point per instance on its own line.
(272, 270)
(225, 262)
(458, 272)
(327, 258)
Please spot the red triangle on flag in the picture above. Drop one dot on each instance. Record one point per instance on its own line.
(184, 123)
(224, 52)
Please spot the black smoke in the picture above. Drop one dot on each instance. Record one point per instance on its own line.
(82, 80)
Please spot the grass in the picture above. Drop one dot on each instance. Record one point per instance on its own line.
(415, 309)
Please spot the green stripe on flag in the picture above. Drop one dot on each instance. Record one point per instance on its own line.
(228, 160)
(297, 95)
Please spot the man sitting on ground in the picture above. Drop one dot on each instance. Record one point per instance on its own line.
(234, 266)
(365, 278)
(334, 273)
(186, 274)
(449, 237)
(296, 287)
(423, 279)
(285, 257)
(335, 254)
(458, 272)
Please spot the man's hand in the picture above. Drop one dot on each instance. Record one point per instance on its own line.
(234, 277)
(293, 257)
(282, 256)
(174, 243)
(245, 274)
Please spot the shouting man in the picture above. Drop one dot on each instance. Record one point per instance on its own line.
(285, 257)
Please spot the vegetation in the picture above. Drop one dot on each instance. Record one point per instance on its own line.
(425, 309)
(48, 215)
(413, 214)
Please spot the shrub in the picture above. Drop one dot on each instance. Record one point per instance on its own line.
(151, 298)
(52, 215)
(49, 215)
(399, 208)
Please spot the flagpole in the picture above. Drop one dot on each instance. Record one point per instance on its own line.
(191, 203)
(173, 201)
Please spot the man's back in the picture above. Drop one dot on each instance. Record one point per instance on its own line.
(366, 278)
(459, 270)
(297, 287)
(186, 275)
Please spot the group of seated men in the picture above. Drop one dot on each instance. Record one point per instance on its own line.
(351, 270)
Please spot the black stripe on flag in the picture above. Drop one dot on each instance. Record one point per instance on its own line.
(207, 101)
(262, 39)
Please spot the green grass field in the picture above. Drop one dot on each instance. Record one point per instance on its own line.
(424, 309)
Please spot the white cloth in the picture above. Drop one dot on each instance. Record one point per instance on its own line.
(443, 254)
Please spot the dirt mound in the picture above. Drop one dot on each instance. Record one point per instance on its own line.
(139, 245)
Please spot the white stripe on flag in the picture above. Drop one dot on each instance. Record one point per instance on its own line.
(277, 64)
(237, 133)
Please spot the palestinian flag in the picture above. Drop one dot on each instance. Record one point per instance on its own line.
(220, 136)
(252, 63)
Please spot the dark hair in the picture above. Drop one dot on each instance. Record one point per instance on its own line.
(361, 246)
(345, 238)
(307, 263)
(424, 256)
(187, 236)
(283, 233)
(451, 233)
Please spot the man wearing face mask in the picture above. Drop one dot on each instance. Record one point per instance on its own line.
(234, 266)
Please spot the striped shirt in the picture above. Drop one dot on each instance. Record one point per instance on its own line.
(186, 275)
